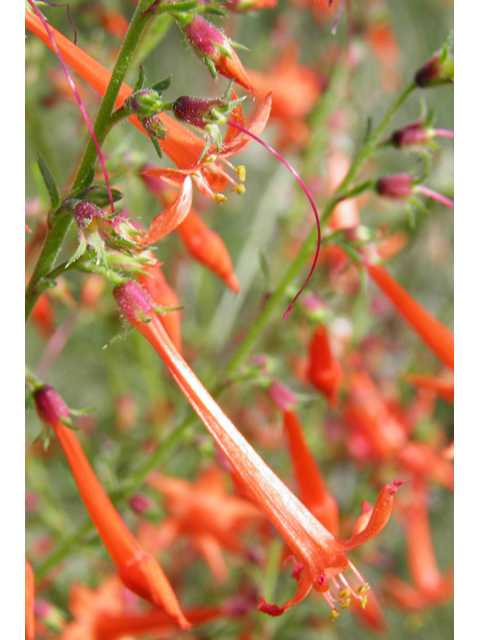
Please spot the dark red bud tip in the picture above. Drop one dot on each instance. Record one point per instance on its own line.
(84, 213)
(140, 503)
(397, 187)
(50, 407)
(392, 488)
(133, 301)
(269, 608)
(195, 111)
(439, 70)
(204, 37)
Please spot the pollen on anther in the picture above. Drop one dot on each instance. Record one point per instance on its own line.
(242, 172)
(219, 198)
(334, 615)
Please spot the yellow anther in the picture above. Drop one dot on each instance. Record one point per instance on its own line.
(364, 602)
(219, 198)
(344, 594)
(334, 615)
(242, 172)
(240, 189)
(346, 603)
(363, 588)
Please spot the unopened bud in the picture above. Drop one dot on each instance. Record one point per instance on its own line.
(140, 503)
(144, 103)
(397, 187)
(439, 70)
(196, 111)
(282, 396)
(50, 406)
(413, 134)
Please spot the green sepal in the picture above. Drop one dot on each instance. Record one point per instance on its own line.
(140, 80)
(49, 180)
(68, 423)
(156, 144)
(162, 85)
(211, 67)
(99, 195)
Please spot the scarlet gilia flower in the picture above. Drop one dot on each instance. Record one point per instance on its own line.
(29, 602)
(324, 370)
(138, 570)
(202, 243)
(312, 487)
(436, 335)
(321, 554)
(214, 49)
(203, 511)
(210, 175)
(430, 587)
(106, 613)
(441, 386)
(375, 431)
(403, 187)
(164, 296)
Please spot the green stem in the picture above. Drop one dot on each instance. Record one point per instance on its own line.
(59, 224)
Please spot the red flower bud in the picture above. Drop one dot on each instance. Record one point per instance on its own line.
(398, 187)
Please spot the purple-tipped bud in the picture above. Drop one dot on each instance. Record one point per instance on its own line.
(205, 38)
(397, 187)
(84, 213)
(196, 111)
(439, 70)
(50, 407)
(140, 503)
(412, 134)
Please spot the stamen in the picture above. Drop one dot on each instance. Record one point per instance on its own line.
(357, 573)
(307, 193)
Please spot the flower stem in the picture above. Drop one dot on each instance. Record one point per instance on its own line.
(59, 224)
(435, 196)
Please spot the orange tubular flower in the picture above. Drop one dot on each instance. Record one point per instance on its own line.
(376, 433)
(29, 602)
(324, 371)
(321, 554)
(210, 176)
(102, 614)
(444, 388)
(436, 335)
(313, 490)
(138, 570)
(205, 513)
(204, 245)
(181, 145)
(295, 90)
(431, 588)
(163, 295)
